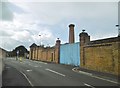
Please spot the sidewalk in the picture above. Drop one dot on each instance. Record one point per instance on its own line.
(99, 75)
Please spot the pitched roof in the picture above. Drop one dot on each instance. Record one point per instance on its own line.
(33, 45)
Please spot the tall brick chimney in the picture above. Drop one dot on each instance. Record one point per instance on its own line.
(71, 33)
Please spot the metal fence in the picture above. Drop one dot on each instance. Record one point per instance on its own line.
(70, 54)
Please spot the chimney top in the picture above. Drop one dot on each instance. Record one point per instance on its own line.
(72, 25)
(58, 40)
(83, 33)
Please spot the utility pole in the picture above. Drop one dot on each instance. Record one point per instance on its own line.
(40, 40)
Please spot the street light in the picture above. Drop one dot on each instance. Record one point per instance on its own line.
(40, 40)
(118, 30)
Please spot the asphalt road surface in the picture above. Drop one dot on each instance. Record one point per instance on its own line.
(12, 77)
(36, 73)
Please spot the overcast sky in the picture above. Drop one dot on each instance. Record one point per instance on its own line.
(21, 22)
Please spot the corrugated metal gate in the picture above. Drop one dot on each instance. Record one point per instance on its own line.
(70, 54)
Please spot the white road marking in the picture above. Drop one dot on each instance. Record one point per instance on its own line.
(105, 79)
(55, 72)
(73, 69)
(7, 67)
(88, 85)
(28, 70)
(27, 78)
(37, 62)
(40, 66)
(35, 66)
(82, 72)
(42, 62)
(85, 73)
(30, 64)
(90, 74)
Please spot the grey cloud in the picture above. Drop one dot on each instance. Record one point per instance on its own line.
(15, 8)
(10, 44)
(97, 18)
(6, 13)
(52, 13)
(8, 9)
(4, 33)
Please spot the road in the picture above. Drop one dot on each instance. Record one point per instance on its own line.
(39, 73)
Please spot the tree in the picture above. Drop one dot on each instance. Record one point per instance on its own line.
(21, 49)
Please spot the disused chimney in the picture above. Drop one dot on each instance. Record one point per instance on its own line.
(71, 33)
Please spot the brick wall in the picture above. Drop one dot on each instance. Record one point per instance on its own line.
(100, 55)
(2, 53)
(102, 58)
(50, 54)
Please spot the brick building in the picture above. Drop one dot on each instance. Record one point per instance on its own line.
(50, 54)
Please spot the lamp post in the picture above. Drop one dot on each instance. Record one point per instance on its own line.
(118, 30)
(40, 40)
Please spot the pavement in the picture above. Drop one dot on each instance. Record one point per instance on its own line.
(99, 75)
(37, 73)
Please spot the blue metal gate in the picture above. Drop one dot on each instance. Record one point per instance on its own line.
(70, 54)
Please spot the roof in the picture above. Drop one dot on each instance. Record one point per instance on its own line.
(33, 45)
